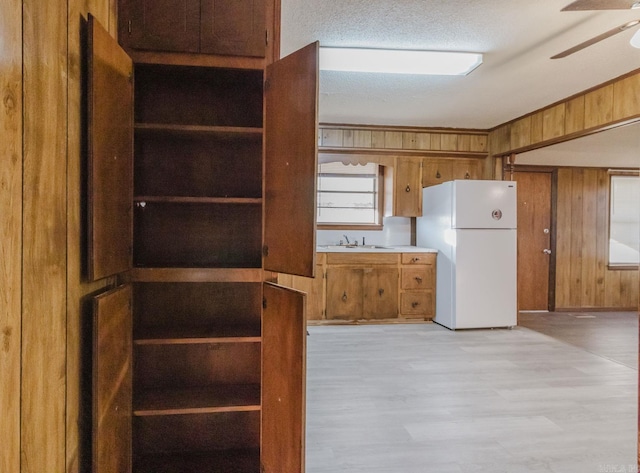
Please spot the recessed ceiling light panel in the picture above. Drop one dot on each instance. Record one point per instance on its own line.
(398, 61)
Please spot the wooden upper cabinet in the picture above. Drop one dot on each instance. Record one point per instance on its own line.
(112, 381)
(234, 27)
(407, 200)
(160, 25)
(291, 143)
(110, 155)
(226, 27)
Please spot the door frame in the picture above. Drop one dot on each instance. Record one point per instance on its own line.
(508, 171)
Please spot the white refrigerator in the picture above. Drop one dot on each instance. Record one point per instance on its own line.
(472, 224)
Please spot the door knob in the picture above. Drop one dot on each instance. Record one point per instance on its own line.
(546, 251)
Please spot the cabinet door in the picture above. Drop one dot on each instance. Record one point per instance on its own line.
(112, 381)
(160, 25)
(235, 27)
(291, 143)
(436, 171)
(344, 293)
(110, 150)
(466, 169)
(283, 380)
(407, 200)
(380, 293)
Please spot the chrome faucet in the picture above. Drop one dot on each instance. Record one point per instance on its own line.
(346, 238)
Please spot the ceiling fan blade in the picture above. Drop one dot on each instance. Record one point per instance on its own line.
(600, 5)
(597, 39)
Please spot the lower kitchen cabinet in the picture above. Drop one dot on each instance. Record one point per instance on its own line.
(355, 293)
(368, 286)
(417, 285)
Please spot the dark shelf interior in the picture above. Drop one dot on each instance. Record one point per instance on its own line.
(198, 166)
(224, 461)
(198, 235)
(198, 95)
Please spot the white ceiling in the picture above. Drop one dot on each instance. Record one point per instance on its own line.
(517, 38)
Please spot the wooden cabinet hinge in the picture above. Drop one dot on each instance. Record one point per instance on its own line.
(264, 302)
(129, 26)
(265, 251)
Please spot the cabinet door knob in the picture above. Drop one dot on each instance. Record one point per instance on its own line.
(415, 304)
(415, 260)
(344, 296)
(467, 175)
(408, 188)
(380, 292)
(438, 175)
(418, 279)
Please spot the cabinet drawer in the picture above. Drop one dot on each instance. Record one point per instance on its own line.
(416, 304)
(417, 278)
(419, 258)
(362, 258)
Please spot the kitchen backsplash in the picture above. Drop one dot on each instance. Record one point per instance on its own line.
(396, 231)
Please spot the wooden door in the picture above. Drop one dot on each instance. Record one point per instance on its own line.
(110, 150)
(344, 293)
(291, 161)
(534, 239)
(160, 25)
(408, 187)
(380, 293)
(112, 381)
(283, 380)
(235, 27)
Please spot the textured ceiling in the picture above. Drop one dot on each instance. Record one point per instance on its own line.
(517, 38)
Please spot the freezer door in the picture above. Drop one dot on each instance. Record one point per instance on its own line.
(484, 204)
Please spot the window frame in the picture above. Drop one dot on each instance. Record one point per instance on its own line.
(361, 226)
(617, 266)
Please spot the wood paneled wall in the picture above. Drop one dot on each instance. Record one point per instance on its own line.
(583, 280)
(41, 244)
(44, 231)
(425, 141)
(613, 103)
(10, 231)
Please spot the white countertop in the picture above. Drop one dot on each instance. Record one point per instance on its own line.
(373, 249)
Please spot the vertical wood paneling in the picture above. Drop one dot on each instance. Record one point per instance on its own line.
(574, 115)
(377, 139)
(563, 238)
(626, 97)
(583, 279)
(602, 237)
(577, 197)
(10, 231)
(521, 133)
(588, 249)
(553, 122)
(393, 139)
(598, 107)
(362, 139)
(449, 142)
(536, 127)
(77, 414)
(44, 236)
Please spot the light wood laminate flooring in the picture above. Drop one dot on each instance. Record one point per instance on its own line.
(420, 398)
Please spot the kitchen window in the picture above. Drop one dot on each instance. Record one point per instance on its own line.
(350, 196)
(624, 221)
